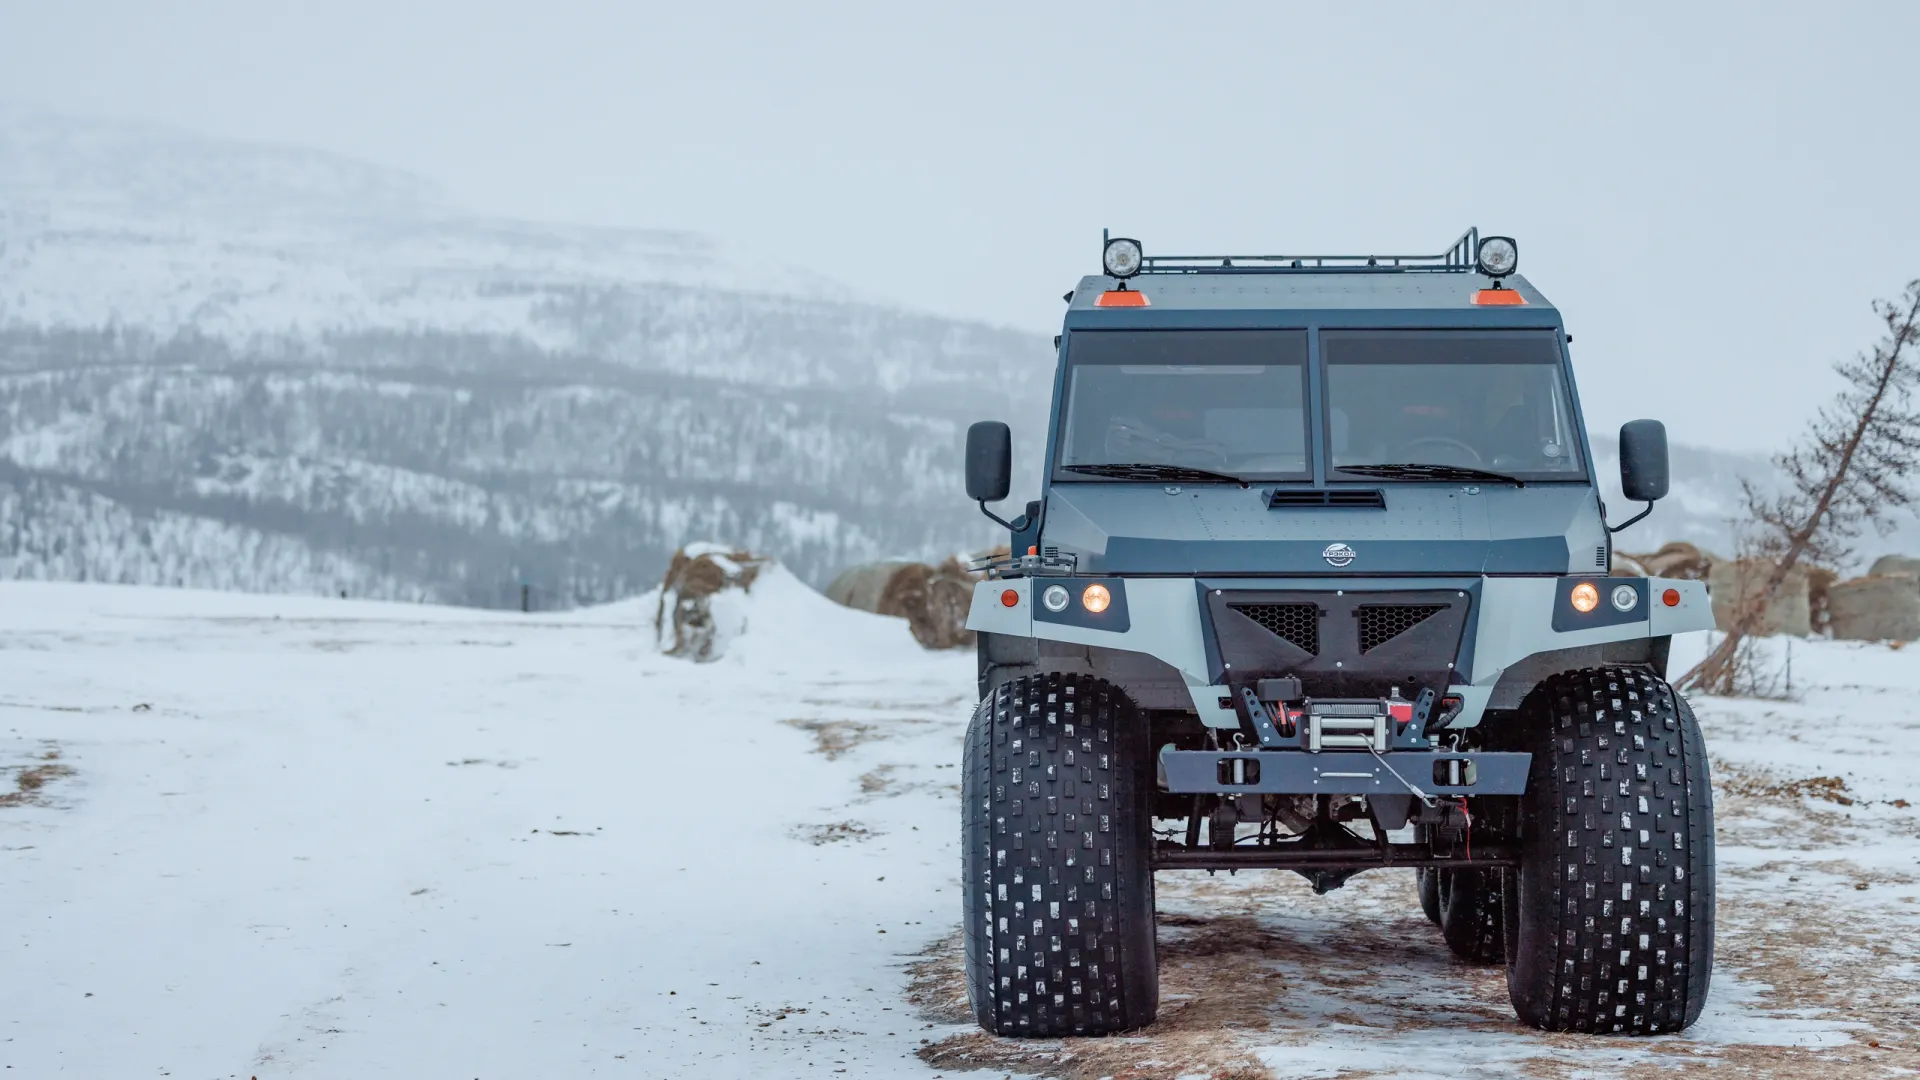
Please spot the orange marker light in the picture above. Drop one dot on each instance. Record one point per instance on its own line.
(1122, 298)
(1498, 298)
(1010, 598)
(1671, 598)
(1585, 597)
(1096, 598)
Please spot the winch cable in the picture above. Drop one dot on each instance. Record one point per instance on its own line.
(1426, 799)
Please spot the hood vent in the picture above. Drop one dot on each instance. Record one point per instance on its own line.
(1344, 498)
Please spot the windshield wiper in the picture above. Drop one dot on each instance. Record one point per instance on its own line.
(1416, 471)
(1155, 472)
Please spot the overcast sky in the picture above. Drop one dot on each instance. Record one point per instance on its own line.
(1712, 195)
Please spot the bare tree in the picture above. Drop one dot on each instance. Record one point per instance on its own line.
(1854, 465)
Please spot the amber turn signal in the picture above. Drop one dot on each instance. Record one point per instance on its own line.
(1585, 597)
(1121, 298)
(1096, 598)
(1499, 298)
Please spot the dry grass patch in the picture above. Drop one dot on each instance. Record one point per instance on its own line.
(1757, 784)
(29, 781)
(832, 738)
(833, 832)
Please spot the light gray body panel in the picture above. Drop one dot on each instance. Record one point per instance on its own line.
(1512, 624)
(1425, 529)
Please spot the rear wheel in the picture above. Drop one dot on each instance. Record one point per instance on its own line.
(1428, 882)
(1055, 863)
(1611, 910)
(1470, 914)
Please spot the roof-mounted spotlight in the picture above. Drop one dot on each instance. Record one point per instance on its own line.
(1122, 257)
(1498, 256)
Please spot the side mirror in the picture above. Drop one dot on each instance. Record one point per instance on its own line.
(1643, 460)
(989, 461)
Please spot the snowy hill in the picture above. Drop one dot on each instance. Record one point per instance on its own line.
(107, 222)
(274, 369)
(263, 368)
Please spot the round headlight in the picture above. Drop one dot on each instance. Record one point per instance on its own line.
(1055, 598)
(1625, 598)
(1122, 257)
(1498, 256)
(1585, 597)
(1096, 598)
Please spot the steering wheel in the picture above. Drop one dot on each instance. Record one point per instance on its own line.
(1441, 440)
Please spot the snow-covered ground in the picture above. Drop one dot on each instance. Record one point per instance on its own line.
(273, 836)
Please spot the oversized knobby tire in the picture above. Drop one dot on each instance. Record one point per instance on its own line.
(1056, 860)
(1470, 916)
(1611, 912)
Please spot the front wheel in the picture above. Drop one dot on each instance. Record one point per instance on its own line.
(1610, 915)
(1056, 859)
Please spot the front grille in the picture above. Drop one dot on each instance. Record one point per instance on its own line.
(1298, 624)
(1381, 623)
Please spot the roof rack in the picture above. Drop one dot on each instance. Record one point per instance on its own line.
(1458, 258)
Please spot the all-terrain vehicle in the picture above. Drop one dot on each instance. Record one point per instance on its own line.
(1319, 581)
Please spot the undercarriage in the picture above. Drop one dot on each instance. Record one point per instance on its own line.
(1318, 836)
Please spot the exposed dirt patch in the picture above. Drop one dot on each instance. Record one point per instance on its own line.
(832, 738)
(1755, 783)
(831, 833)
(1359, 983)
(29, 780)
(1816, 955)
(878, 781)
(937, 982)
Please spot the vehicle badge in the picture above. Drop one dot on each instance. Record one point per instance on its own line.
(1338, 554)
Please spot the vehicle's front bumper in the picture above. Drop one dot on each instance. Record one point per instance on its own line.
(1334, 772)
(1511, 619)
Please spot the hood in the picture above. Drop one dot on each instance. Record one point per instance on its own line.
(1126, 528)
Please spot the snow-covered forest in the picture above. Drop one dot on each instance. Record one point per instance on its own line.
(245, 367)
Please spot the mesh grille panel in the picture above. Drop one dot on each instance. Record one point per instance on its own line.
(1381, 623)
(1295, 623)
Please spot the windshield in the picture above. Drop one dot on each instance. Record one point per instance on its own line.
(1486, 400)
(1222, 401)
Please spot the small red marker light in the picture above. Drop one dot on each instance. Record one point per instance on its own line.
(1671, 598)
(1122, 298)
(1010, 598)
(1498, 298)
(1033, 549)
